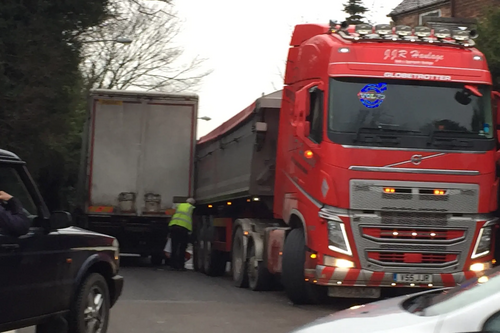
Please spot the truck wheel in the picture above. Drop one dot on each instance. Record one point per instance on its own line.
(90, 312)
(196, 247)
(293, 278)
(198, 251)
(214, 261)
(259, 278)
(238, 262)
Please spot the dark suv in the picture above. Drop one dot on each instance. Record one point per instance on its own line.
(55, 275)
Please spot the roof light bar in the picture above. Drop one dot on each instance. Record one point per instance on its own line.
(404, 34)
(364, 29)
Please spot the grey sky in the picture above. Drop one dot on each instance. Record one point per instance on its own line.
(246, 44)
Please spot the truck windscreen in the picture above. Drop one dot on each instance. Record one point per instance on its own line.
(410, 114)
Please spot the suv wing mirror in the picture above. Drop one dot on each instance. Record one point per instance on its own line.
(60, 220)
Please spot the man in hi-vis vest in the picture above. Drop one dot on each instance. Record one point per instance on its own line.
(181, 226)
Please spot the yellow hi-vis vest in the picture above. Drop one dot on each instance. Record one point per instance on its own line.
(183, 216)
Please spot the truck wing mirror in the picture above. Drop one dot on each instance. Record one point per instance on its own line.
(495, 95)
(307, 128)
(301, 107)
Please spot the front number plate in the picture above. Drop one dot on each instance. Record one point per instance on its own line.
(413, 278)
(354, 292)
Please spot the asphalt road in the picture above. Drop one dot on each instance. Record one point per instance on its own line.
(160, 300)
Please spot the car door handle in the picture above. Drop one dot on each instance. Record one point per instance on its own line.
(10, 246)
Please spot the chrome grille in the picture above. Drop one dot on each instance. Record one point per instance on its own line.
(413, 196)
(414, 219)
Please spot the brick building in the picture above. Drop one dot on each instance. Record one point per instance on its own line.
(417, 12)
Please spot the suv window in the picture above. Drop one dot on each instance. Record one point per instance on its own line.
(492, 324)
(11, 182)
(469, 292)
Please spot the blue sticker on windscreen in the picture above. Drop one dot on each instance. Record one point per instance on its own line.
(372, 95)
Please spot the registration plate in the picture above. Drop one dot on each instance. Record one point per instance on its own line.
(413, 278)
(354, 292)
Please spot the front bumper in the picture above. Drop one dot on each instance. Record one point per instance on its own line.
(332, 276)
(117, 287)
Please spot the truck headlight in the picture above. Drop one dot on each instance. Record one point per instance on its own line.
(483, 243)
(337, 238)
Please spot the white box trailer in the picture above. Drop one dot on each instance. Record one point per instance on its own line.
(137, 162)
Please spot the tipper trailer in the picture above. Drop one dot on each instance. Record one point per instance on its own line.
(137, 162)
(374, 167)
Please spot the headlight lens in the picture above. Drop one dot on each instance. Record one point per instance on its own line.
(483, 244)
(479, 267)
(337, 239)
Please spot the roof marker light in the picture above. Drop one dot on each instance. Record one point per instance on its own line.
(383, 29)
(403, 30)
(461, 35)
(364, 29)
(478, 58)
(442, 33)
(422, 32)
(344, 50)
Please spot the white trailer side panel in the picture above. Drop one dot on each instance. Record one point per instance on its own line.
(167, 152)
(115, 152)
(141, 143)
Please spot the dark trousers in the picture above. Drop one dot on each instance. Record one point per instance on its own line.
(180, 238)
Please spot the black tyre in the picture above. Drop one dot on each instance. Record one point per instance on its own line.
(200, 248)
(238, 261)
(90, 310)
(259, 278)
(157, 259)
(214, 261)
(196, 247)
(294, 256)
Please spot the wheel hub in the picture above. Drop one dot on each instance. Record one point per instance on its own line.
(93, 314)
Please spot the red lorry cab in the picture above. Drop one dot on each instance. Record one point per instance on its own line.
(382, 151)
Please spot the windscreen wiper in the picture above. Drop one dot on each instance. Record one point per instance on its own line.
(381, 130)
(450, 141)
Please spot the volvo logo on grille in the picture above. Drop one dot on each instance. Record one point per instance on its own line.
(416, 159)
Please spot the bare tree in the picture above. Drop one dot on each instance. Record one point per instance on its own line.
(153, 61)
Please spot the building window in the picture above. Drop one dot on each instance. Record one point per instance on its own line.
(434, 13)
